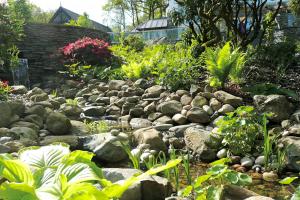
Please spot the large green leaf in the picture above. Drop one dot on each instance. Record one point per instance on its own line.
(16, 171)
(201, 179)
(44, 176)
(47, 156)
(17, 191)
(82, 191)
(287, 180)
(79, 172)
(168, 165)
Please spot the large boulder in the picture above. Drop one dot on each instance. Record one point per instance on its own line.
(19, 89)
(149, 188)
(198, 141)
(227, 98)
(58, 124)
(5, 114)
(276, 104)
(151, 137)
(170, 107)
(153, 92)
(79, 128)
(198, 115)
(106, 147)
(24, 133)
(71, 140)
(199, 101)
(94, 111)
(293, 152)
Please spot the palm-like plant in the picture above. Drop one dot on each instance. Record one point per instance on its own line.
(55, 173)
(224, 64)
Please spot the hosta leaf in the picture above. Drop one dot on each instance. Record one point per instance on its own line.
(78, 156)
(186, 191)
(82, 191)
(44, 176)
(287, 180)
(16, 171)
(244, 179)
(17, 191)
(201, 179)
(214, 193)
(232, 177)
(79, 172)
(47, 156)
(221, 161)
(50, 192)
(216, 169)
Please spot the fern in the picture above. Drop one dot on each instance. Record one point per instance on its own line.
(224, 64)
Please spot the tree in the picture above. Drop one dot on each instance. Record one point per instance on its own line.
(11, 31)
(20, 9)
(40, 16)
(241, 20)
(82, 21)
(294, 5)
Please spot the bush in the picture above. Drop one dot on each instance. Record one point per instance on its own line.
(87, 51)
(224, 65)
(5, 90)
(240, 130)
(134, 42)
(166, 64)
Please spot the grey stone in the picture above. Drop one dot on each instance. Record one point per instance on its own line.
(226, 108)
(137, 123)
(163, 120)
(94, 111)
(247, 162)
(79, 128)
(71, 140)
(151, 137)
(5, 114)
(227, 98)
(179, 119)
(170, 108)
(260, 160)
(58, 124)
(25, 132)
(199, 102)
(198, 115)
(116, 84)
(37, 120)
(19, 89)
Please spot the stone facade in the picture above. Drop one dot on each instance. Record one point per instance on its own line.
(41, 47)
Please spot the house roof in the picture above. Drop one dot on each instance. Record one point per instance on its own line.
(161, 23)
(75, 16)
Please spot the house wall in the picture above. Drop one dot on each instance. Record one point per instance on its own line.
(288, 25)
(41, 47)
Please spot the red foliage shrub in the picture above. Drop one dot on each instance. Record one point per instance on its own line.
(87, 51)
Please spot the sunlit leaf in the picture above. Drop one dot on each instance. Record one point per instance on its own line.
(17, 191)
(287, 180)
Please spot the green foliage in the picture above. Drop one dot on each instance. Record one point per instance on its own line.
(5, 90)
(288, 181)
(210, 186)
(11, 31)
(82, 21)
(268, 89)
(72, 102)
(166, 64)
(294, 5)
(240, 129)
(224, 65)
(134, 158)
(97, 126)
(20, 9)
(134, 42)
(54, 173)
(274, 56)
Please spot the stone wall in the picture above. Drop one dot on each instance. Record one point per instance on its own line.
(41, 43)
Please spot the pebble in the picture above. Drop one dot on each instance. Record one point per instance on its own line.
(241, 169)
(222, 153)
(235, 159)
(270, 176)
(260, 160)
(114, 132)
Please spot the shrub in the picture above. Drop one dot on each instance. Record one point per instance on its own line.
(54, 172)
(224, 65)
(240, 129)
(87, 51)
(5, 89)
(134, 42)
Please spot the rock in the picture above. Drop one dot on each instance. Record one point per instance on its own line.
(104, 100)
(197, 139)
(163, 120)
(259, 198)
(163, 127)
(149, 188)
(227, 98)
(186, 99)
(39, 97)
(241, 169)
(247, 162)
(19, 89)
(116, 84)
(215, 104)
(58, 124)
(293, 152)
(198, 115)
(151, 137)
(37, 110)
(24, 132)
(71, 140)
(270, 176)
(106, 147)
(260, 160)
(170, 108)
(37, 120)
(136, 112)
(72, 111)
(153, 91)
(25, 124)
(17, 107)
(222, 153)
(5, 114)
(179, 130)
(177, 143)
(79, 128)
(179, 119)
(142, 83)
(137, 123)
(154, 116)
(151, 108)
(226, 108)
(194, 89)
(285, 124)
(276, 104)
(94, 111)
(34, 91)
(4, 149)
(199, 102)
(208, 109)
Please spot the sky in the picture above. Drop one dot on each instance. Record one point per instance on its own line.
(92, 7)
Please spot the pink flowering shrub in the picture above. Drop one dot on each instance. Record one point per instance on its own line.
(87, 51)
(5, 90)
